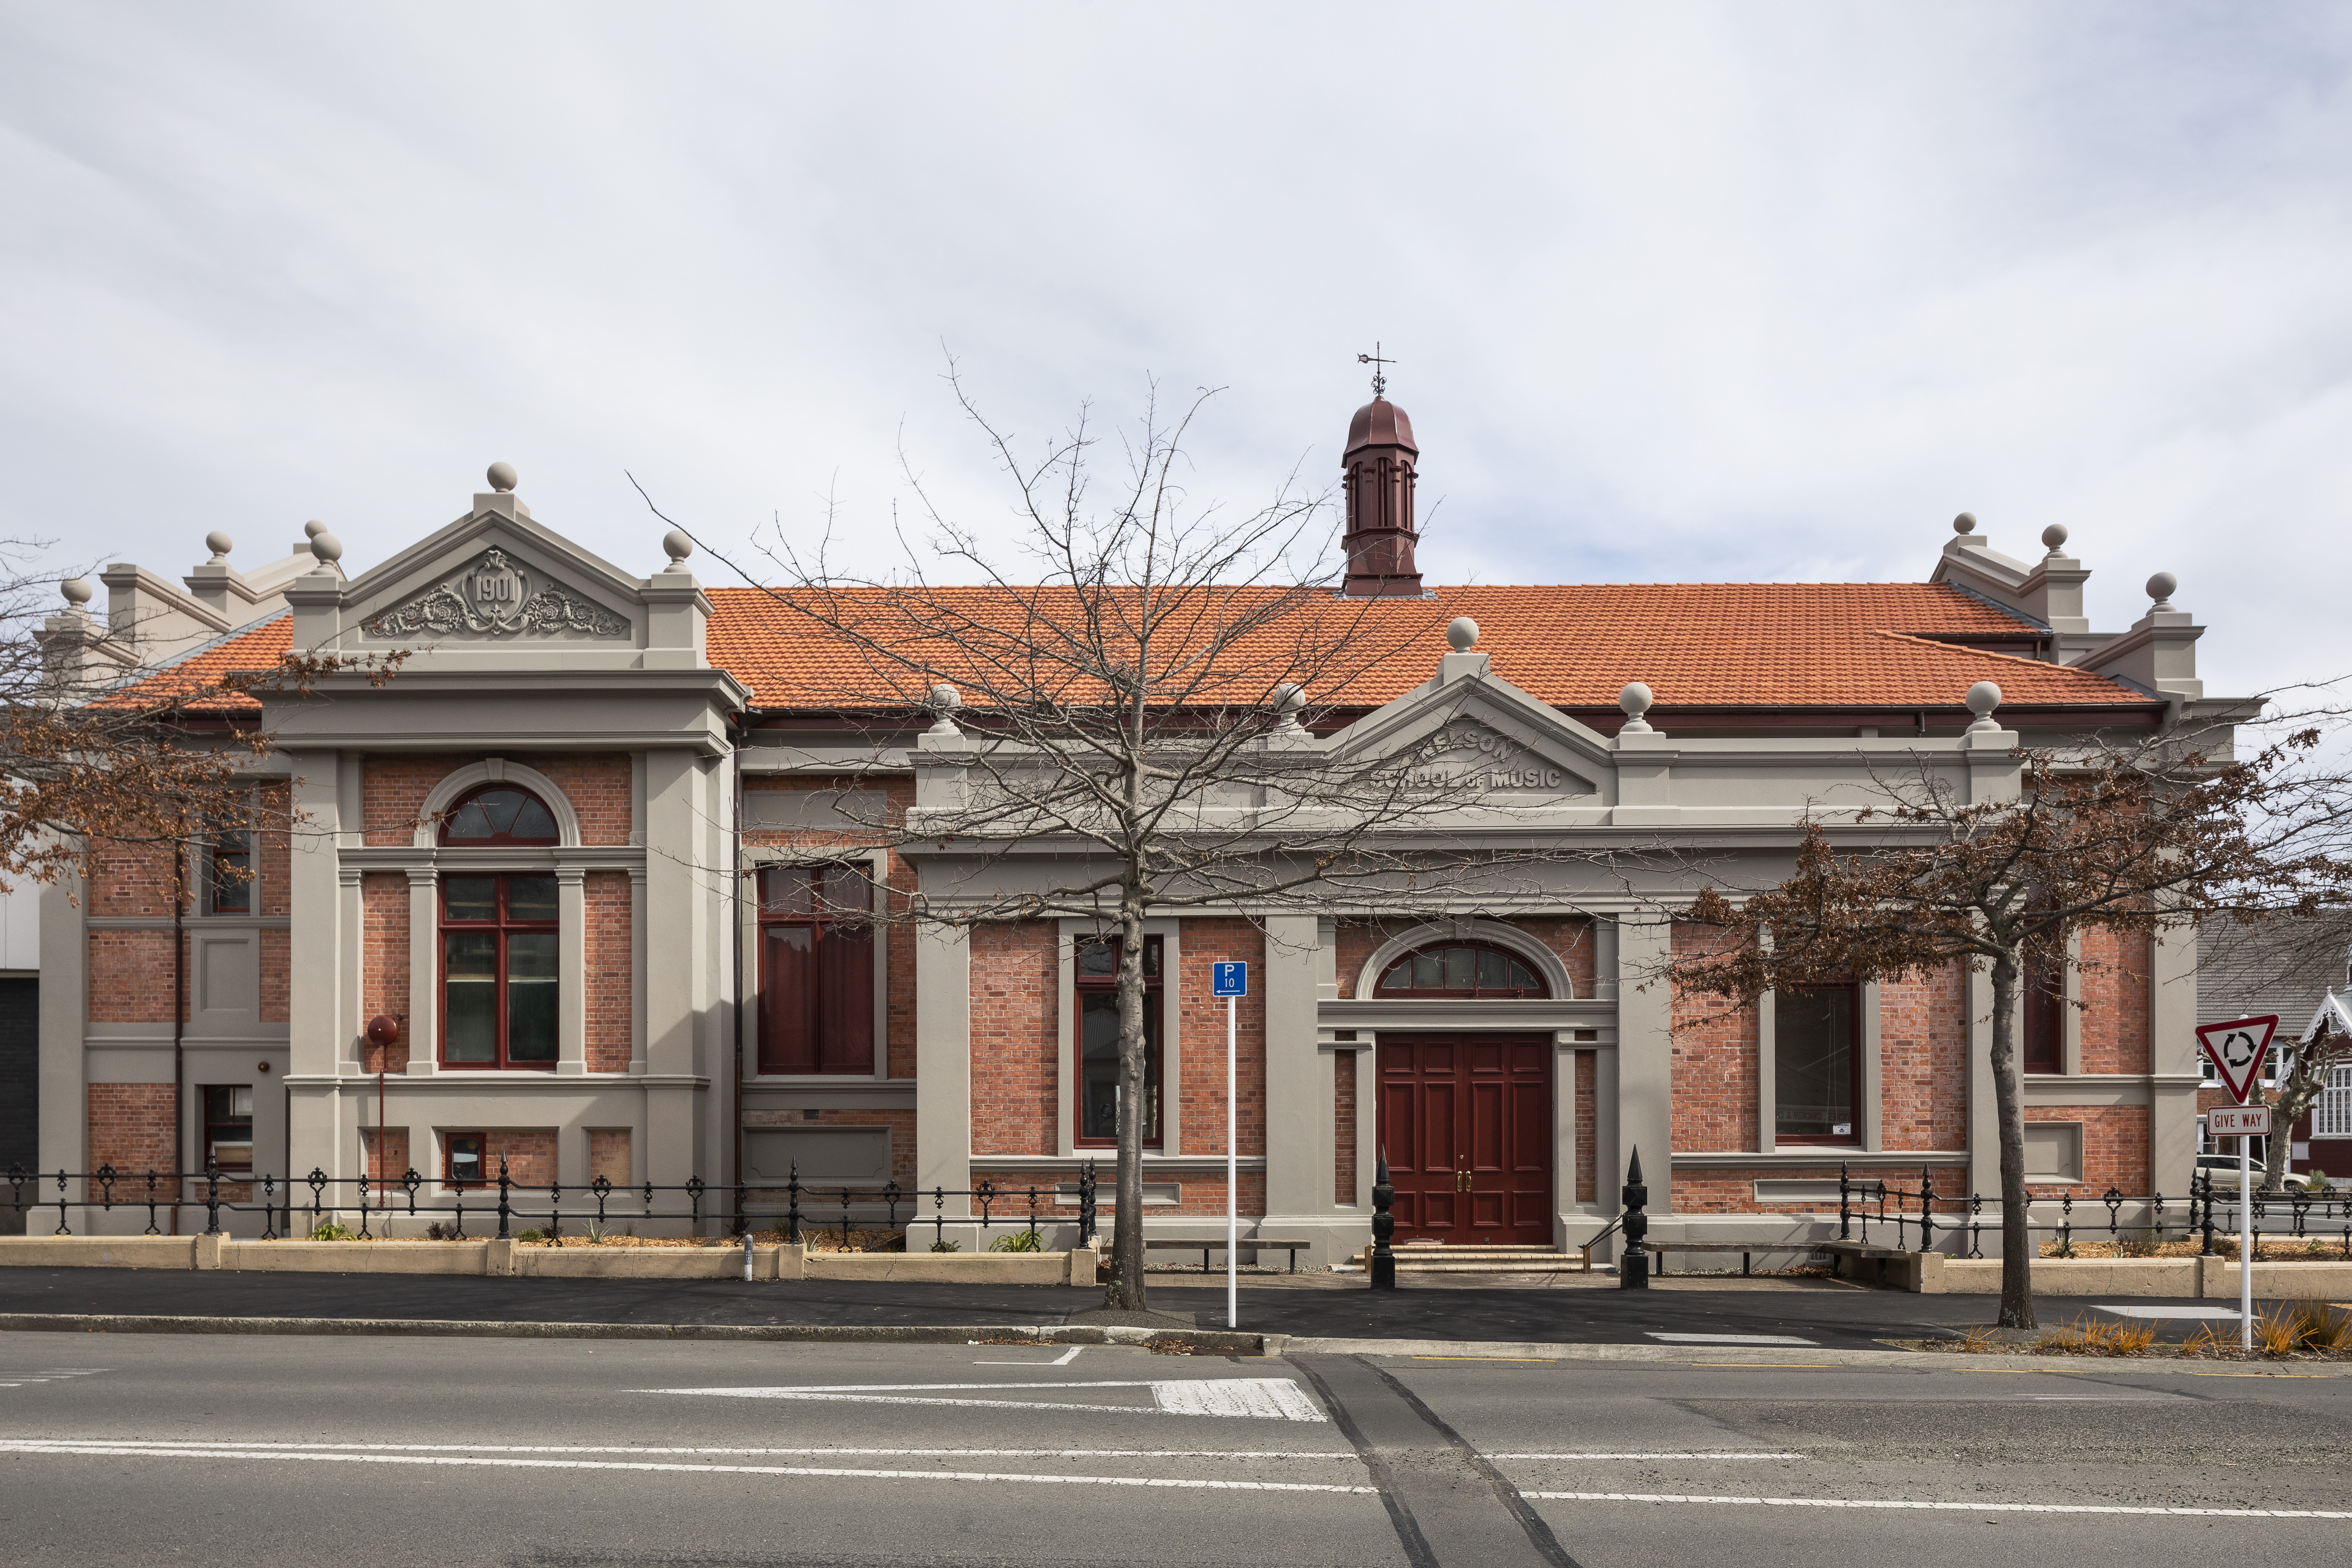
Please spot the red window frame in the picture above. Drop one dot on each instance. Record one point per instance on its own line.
(818, 947)
(1518, 976)
(1854, 1069)
(2044, 1041)
(1097, 977)
(504, 926)
(501, 839)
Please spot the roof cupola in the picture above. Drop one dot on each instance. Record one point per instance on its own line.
(1380, 477)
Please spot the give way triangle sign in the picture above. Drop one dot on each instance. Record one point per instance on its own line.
(2239, 1048)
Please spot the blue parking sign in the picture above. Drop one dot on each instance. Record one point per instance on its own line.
(1229, 980)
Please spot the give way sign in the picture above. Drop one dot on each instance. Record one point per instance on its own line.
(2238, 1049)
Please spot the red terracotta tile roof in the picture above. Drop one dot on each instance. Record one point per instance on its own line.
(197, 677)
(1742, 644)
(1733, 645)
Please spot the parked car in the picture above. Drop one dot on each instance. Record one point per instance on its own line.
(2224, 1171)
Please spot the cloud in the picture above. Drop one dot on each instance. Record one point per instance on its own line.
(1686, 292)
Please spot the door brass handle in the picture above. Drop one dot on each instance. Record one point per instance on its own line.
(1461, 1181)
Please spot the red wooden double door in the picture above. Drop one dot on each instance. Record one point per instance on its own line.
(1466, 1122)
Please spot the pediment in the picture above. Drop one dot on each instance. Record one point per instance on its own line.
(1487, 739)
(491, 581)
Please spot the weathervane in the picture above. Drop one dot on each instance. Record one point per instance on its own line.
(1380, 382)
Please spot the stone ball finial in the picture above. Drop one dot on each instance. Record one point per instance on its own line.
(2160, 587)
(1982, 699)
(501, 476)
(326, 547)
(219, 543)
(1461, 633)
(1290, 697)
(2053, 536)
(676, 546)
(1965, 523)
(76, 590)
(312, 528)
(1635, 700)
(944, 698)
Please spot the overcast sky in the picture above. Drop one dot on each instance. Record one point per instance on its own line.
(1677, 292)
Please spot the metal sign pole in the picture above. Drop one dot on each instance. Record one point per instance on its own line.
(1232, 1212)
(2246, 1245)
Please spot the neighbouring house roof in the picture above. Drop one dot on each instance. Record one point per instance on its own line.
(1694, 644)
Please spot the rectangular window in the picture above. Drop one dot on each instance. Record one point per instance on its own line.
(2045, 1016)
(1817, 1070)
(228, 1128)
(228, 873)
(1096, 1123)
(462, 1160)
(2331, 1117)
(817, 970)
(500, 975)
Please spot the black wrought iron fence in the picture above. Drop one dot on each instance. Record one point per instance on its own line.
(1925, 1213)
(600, 1204)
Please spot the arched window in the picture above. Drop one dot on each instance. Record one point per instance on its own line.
(495, 815)
(1462, 969)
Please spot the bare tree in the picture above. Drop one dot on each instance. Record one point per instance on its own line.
(2150, 837)
(2310, 1063)
(1137, 718)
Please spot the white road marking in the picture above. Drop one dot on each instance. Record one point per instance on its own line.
(1266, 1398)
(1687, 1454)
(1937, 1507)
(164, 1451)
(2174, 1314)
(48, 1375)
(1728, 1339)
(1065, 1359)
(132, 1445)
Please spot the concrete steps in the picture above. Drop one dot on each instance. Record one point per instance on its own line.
(1505, 1259)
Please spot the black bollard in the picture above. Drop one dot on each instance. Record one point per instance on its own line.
(1383, 1267)
(1634, 1268)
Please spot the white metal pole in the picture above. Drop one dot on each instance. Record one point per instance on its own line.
(1233, 1166)
(2245, 1244)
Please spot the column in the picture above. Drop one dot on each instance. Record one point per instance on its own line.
(673, 802)
(943, 1060)
(1298, 1094)
(318, 1003)
(1646, 1081)
(571, 966)
(2172, 1057)
(423, 971)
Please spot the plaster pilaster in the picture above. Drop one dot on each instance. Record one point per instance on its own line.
(943, 1060)
(572, 969)
(1645, 1056)
(1298, 1097)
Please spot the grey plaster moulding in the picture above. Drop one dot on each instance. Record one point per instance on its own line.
(495, 597)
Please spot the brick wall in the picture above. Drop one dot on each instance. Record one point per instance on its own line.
(1734, 1191)
(131, 1128)
(1714, 1055)
(2115, 1141)
(383, 964)
(387, 1162)
(130, 878)
(276, 974)
(611, 1005)
(131, 976)
(608, 1155)
(393, 787)
(1202, 1194)
(1588, 1158)
(1355, 941)
(273, 857)
(898, 1019)
(1016, 983)
(1923, 1061)
(1343, 1123)
(530, 1154)
(1202, 1028)
(2113, 985)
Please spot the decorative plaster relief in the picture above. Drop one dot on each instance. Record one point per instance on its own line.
(1477, 760)
(495, 597)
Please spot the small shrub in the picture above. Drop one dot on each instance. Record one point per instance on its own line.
(1979, 1339)
(329, 1231)
(595, 1234)
(436, 1230)
(2317, 1325)
(2278, 1332)
(529, 1235)
(1019, 1241)
(2142, 1244)
(2204, 1341)
(944, 1245)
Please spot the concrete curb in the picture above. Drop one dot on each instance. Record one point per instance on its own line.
(1761, 1356)
(1198, 1342)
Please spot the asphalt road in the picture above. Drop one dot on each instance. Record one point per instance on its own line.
(1830, 1317)
(265, 1452)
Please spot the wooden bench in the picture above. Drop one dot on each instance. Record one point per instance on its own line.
(1747, 1250)
(1260, 1243)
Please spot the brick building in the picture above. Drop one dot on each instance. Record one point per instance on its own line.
(565, 853)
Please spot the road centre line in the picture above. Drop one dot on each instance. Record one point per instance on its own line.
(1923, 1505)
(1688, 1454)
(67, 1448)
(134, 1444)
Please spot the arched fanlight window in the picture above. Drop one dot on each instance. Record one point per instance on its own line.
(497, 814)
(1462, 969)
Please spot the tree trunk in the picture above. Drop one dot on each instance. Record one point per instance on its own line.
(2009, 1110)
(1126, 1289)
(2295, 1097)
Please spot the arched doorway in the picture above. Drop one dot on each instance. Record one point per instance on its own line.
(1465, 1116)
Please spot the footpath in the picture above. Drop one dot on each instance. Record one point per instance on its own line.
(1795, 1313)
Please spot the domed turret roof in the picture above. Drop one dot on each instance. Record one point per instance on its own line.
(1380, 423)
